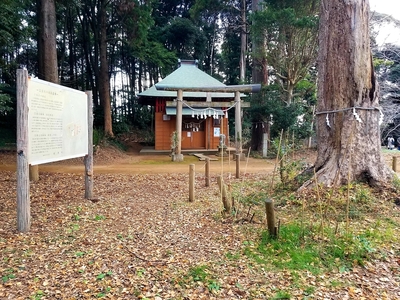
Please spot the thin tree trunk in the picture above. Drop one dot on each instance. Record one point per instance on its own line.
(348, 106)
(243, 43)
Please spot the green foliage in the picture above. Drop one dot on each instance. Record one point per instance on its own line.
(213, 286)
(202, 274)
(289, 169)
(5, 102)
(230, 57)
(396, 183)
(38, 295)
(10, 14)
(295, 117)
(8, 274)
(281, 295)
(300, 248)
(103, 294)
(80, 254)
(73, 228)
(99, 217)
(185, 39)
(103, 275)
(290, 29)
(251, 197)
(198, 273)
(98, 136)
(121, 127)
(7, 137)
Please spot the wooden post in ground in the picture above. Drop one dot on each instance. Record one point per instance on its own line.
(207, 171)
(23, 185)
(34, 172)
(224, 194)
(394, 163)
(238, 165)
(191, 182)
(88, 160)
(269, 210)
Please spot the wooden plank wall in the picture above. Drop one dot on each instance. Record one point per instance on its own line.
(164, 129)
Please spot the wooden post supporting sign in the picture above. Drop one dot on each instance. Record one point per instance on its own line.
(88, 160)
(23, 185)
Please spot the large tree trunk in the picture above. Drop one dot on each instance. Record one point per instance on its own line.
(348, 106)
(260, 66)
(48, 69)
(259, 75)
(104, 80)
(47, 52)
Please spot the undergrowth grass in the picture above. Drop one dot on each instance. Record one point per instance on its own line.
(335, 230)
(299, 248)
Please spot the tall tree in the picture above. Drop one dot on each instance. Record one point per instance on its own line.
(348, 112)
(243, 41)
(104, 78)
(387, 66)
(47, 46)
(290, 28)
(207, 15)
(47, 52)
(258, 51)
(260, 121)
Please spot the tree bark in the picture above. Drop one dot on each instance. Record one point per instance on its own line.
(104, 80)
(243, 43)
(47, 45)
(260, 66)
(259, 75)
(47, 52)
(348, 106)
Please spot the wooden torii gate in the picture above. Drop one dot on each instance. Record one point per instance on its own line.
(237, 89)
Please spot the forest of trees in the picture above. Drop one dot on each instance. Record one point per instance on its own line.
(119, 48)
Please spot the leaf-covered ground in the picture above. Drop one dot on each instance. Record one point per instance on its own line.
(140, 238)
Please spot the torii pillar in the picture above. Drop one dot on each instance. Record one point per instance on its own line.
(238, 125)
(178, 149)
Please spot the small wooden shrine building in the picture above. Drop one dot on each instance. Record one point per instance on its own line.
(204, 114)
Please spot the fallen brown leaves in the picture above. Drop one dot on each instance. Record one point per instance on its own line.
(142, 239)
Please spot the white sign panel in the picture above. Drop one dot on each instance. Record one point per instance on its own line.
(57, 122)
(217, 131)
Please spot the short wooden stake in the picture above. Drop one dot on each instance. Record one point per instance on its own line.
(207, 174)
(224, 194)
(269, 210)
(394, 163)
(191, 182)
(237, 165)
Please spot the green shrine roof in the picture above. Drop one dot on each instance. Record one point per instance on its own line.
(187, 75)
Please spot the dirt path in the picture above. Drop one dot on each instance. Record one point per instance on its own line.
(112, 161)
